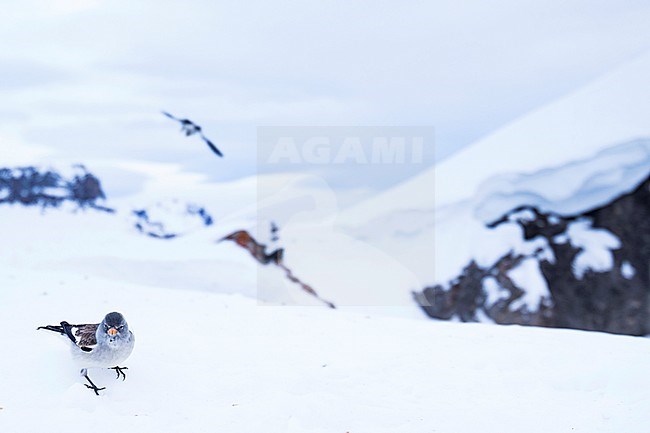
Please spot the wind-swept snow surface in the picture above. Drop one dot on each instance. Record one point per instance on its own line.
(210, 357)
(212, 362)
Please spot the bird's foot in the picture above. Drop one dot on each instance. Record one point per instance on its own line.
(120, 371)
(94, 388)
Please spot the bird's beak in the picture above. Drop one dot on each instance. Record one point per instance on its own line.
(112, 332)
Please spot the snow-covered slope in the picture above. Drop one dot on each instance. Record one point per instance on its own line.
(574, 154)
(570, 188)
(211, 357)
(208, 362)
(611, 110)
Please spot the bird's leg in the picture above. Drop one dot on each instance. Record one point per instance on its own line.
(120, 371)
(92, 386)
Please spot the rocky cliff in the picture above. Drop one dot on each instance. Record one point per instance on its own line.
(30, 186)
(596, 266)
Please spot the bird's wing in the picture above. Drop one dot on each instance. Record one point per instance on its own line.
(171, 116)
(212, 146)
(85, 334)
(81, 335)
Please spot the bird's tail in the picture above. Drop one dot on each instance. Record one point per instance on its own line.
(64, 329)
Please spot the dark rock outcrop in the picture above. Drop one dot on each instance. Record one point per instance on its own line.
(615, 300)
(259, 253)
(157, 227)
(30, 186)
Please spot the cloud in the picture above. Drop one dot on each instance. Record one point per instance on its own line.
(17, 74)
(465, 68)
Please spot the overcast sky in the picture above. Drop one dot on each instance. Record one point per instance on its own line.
(86, 78)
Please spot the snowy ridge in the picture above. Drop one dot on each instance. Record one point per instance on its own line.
(455, 235)
(571, 188)
(573, 155)
(613, 109)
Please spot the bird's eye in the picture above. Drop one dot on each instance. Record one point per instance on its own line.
(106, 327)
(120, 327)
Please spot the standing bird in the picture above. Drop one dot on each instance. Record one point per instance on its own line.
(99, 345)
(191, 128)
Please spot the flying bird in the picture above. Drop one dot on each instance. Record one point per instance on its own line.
(190, 128)
(99, 345)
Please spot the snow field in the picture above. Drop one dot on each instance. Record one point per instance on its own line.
(214, 362)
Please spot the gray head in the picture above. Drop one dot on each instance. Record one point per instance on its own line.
(113, 327)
